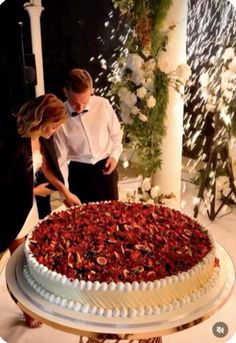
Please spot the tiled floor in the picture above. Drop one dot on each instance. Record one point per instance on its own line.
(12, 328)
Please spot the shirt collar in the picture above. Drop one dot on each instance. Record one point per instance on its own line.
(70, 109)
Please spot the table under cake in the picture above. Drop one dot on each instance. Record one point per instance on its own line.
(144, 329)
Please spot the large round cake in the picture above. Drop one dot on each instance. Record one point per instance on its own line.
(120, 259)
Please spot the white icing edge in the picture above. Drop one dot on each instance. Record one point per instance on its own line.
(116, 312)
(120, 286)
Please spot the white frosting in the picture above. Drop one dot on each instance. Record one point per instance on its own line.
(122, 299)
(123, 311)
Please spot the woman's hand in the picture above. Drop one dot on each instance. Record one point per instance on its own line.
(42, 190)
(70, 199)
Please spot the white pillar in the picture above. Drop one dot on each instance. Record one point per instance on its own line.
(34, 10)
(169, 176)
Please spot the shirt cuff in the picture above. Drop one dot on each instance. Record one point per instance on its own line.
(115, 155)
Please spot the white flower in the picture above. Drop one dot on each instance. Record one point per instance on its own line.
(128, 98)
(135, 110)
(142, 117)
(148, 83)
(141, 92)
(125, 113)
(183, 72)
(145, 197)
(204, 79)
(134, 62)
(125, 164)
(154, 191)
(126, 118)
(150, 66)
(228, 54)
(151, 102)
(138, 77)
(122, 91)
(146, 184)
(163, 63)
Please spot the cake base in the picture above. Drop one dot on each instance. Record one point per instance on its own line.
(129, 328)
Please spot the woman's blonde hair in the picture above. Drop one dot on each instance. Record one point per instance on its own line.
(37, 114)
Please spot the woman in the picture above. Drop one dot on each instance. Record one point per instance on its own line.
(24, 148)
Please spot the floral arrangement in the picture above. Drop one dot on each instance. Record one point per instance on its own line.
(141, 78)
(149, 194)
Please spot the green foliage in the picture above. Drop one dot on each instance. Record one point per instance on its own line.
(160, 9)
(146, 137)
(145, 17)
(140, 7)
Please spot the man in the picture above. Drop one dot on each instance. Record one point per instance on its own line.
(90, 140)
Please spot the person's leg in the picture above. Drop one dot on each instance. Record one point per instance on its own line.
(80, 181)
(89, 183)
(106, 186)
(111, 186)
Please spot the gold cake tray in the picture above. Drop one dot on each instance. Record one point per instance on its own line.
(120, 328)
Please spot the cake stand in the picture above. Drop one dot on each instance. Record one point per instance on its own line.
(98, 328)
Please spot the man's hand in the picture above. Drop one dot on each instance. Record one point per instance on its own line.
(109, 166)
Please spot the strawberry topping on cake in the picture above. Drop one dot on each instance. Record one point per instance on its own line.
(116, 241)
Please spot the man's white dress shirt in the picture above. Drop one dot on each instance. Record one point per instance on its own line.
(89, 137)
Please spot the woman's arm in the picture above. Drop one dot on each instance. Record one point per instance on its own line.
(69, 198)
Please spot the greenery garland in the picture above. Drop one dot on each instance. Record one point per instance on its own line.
(144, 132)
(146, 138)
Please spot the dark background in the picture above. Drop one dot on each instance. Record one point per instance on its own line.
(73, 31)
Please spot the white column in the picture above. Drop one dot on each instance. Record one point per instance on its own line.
(34, 10)
(169, 176)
